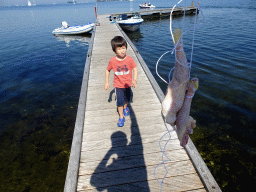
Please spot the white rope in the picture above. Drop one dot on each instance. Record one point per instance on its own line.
(157, 65)
(171, 20)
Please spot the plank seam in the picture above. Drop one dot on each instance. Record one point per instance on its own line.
(152, 165)
(142, 154)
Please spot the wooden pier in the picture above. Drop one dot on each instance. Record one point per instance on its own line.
(157, 13)
(106, 157)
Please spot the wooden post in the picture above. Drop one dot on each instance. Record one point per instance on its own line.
(96, 13)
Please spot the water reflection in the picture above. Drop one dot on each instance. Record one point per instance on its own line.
(32, 13)
(135, 36)
(84, 39)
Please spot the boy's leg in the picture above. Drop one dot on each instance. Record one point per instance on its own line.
(126, 110)
(121, 111)
(125, 105)
(127, 99)
(120, 102)
(120, 106)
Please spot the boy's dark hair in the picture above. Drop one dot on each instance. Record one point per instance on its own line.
(118, 41)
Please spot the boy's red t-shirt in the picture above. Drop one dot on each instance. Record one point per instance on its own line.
(122, 71)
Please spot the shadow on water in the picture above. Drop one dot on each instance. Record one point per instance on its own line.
(135, 35)
(124, 164)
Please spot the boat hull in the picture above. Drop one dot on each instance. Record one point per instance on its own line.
(130, 24)
(74, 30)
(130, 27)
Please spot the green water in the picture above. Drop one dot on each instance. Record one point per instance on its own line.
(226, 153)
(35, 151)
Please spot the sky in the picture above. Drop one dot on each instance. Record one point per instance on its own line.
(25, 2)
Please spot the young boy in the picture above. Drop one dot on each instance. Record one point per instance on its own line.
(123, 67)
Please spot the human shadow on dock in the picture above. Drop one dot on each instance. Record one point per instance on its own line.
(123, 167)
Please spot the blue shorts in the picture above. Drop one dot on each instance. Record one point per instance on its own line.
(123, 95)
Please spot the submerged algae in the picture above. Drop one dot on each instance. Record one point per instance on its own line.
(35, 151)
(221, 137)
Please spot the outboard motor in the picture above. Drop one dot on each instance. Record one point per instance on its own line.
(64, 24)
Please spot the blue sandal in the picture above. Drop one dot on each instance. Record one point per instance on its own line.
(120, 122)
(126, 112)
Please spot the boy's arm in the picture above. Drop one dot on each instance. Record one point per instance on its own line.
(135, 76)
(107, 79)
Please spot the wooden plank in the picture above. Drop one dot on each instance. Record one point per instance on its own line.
(153, 185)
(133, 174)
(106, 143)
(145, 131)
(186, 182)
(98, 154)
(139, 118)
(148, 127)
(151, 159)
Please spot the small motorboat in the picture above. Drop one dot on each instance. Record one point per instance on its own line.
(146, 5)
(129, 24)
(73, 30)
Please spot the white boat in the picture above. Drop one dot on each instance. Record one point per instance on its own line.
(73, 30)
(29, 3)
(146, 5)
(129, 24)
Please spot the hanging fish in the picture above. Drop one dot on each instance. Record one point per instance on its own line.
(184, 122)
(176, 89)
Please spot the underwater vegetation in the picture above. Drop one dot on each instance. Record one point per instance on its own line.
(34, 151)
(221, 137)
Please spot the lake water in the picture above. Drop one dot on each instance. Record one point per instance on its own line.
(41, 78)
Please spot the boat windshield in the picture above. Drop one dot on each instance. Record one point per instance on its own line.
(124, 17)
